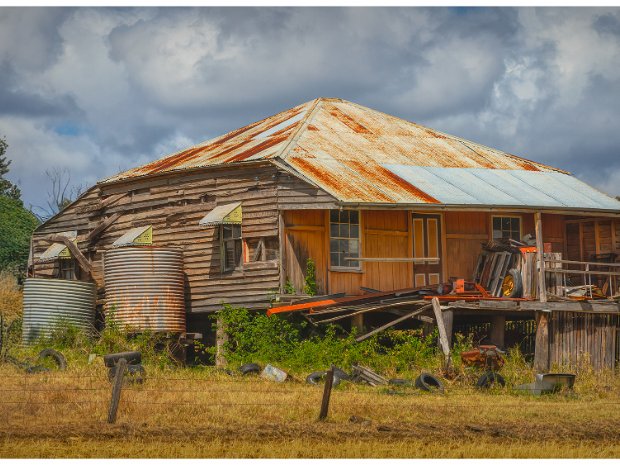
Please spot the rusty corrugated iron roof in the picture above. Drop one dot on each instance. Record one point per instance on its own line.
(258, 141)
(345, 149)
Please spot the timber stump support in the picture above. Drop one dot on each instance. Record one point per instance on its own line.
(221, 338)
(357, 322)
(498, 330)
(541, 351)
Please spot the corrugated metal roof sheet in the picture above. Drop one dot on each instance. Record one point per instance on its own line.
(220, 213)
(129, 238)
(475, 186)
(57, 249)
(258, 141)
(344, 149)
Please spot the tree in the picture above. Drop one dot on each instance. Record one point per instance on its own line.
(7, 188)
(16, 223)
(61, 192)
(16, 227)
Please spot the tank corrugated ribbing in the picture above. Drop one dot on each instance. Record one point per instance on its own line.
(48, 302)
(144, 288)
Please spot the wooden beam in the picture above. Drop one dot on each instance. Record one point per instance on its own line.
(542, 286)
(448, 322)
(481, 237)
(103, 203)
(597, 238)
(304, 228)
(393, 259)
(387, 232)
(581, 251)
(391, 323)
(259, 252)
(281, 251)
(498, 330)
(357, 322)
(541, 350)
(105, 224)
(221, 338)
(443, 334)
(75, 252)
(600, 306)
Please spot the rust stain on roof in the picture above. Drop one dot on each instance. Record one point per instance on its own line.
(342, 148)
(335, 184)
(347, 120)
(273, 140)
(435, 134)
(386, 177)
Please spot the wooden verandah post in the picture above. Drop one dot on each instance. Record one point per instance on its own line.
(541, 350)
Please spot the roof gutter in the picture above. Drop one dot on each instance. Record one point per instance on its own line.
(477, 208)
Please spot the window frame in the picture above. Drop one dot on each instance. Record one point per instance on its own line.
(223, 242)
(339, 268)
(265, 252)
(69, 265)
(519, 217)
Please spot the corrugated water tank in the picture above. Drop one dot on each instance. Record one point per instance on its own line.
(144, 288)
(50, 302)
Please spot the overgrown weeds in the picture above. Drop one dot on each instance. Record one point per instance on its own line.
(11, 297)
(255, 337)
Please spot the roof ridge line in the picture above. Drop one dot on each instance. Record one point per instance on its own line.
(297, 133)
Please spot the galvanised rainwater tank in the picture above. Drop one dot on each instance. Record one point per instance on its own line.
(144, 288)
(50, 302)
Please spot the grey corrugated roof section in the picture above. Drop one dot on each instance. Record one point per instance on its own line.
(475, 186)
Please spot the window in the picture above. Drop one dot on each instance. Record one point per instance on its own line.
(344, 242)
(230, 246)
(261, 249)
(68, 269)
(507, 227)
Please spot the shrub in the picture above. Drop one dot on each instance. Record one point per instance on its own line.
(255, 337)
(11, 297)
(310, 278)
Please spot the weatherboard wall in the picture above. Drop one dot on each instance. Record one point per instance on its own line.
(174, 205)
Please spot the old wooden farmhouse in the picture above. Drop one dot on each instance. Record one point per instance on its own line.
(378, 205)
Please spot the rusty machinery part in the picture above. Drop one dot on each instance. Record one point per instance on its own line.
(250, 368)
(132, 358)
(134, 374)
(489, 379)
(484, 356)
(428, 382)
(54, 356)
(512, 285)
(444, 288)
(456, 286)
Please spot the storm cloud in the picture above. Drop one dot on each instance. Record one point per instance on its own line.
(98, 90)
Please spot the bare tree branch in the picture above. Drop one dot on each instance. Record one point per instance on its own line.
(60, 194)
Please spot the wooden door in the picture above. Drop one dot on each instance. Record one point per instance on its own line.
(427, 244)
(304, 236)
(386, 235)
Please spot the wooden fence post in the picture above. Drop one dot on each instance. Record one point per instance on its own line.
(327, 392)
(443, 335)
(117, 386)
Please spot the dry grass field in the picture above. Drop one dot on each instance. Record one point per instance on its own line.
(199, 413)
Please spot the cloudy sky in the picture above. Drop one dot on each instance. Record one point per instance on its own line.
(97, 91)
